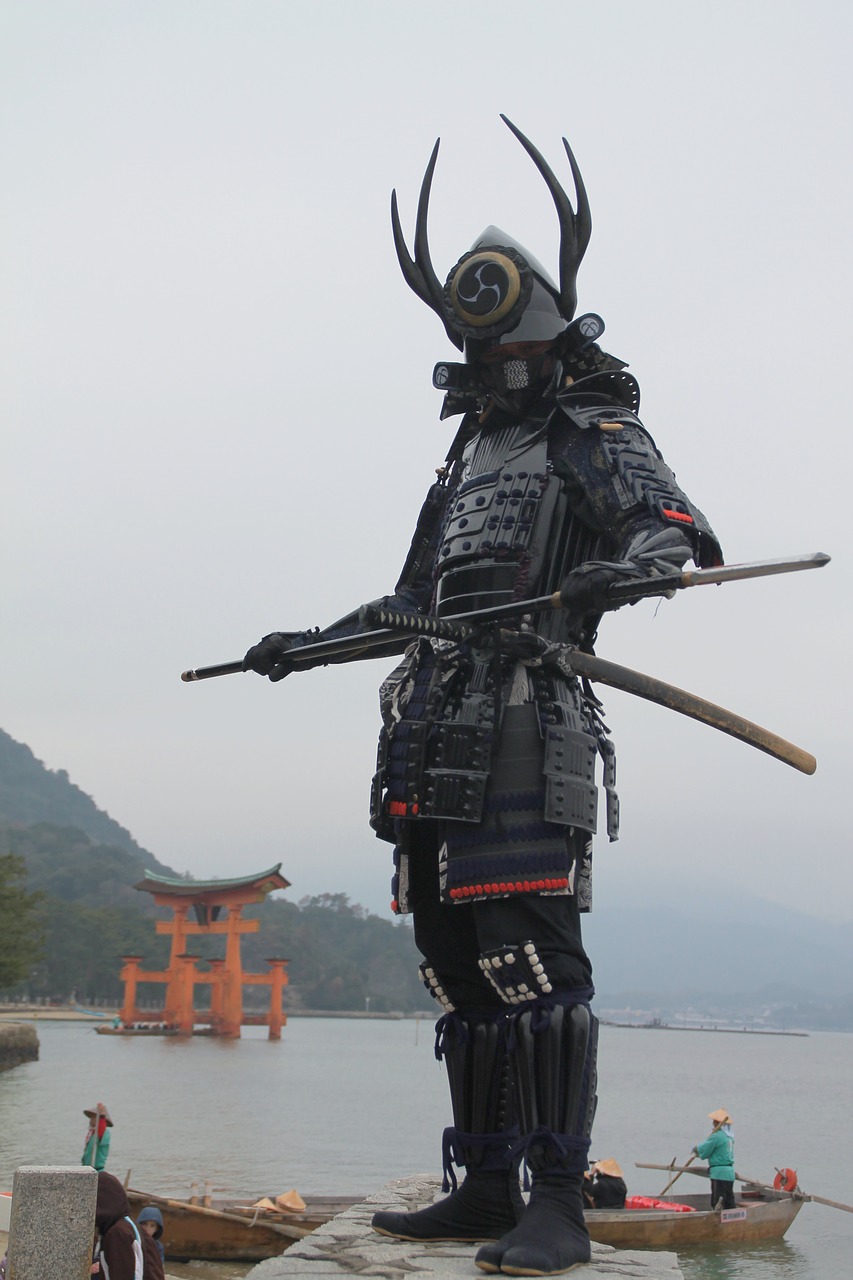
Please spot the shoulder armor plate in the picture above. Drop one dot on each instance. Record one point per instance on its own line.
(641, 476)
(612, 384)
(586, 411)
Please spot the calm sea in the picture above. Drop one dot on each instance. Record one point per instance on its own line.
(344, 1105)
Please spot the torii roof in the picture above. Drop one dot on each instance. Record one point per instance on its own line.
(263, 881)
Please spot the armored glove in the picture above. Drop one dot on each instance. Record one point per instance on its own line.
(586, 588)
(525, 646)
(269, 656)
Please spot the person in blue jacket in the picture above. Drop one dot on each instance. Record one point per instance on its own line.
(719, 1150)
(150, 1220)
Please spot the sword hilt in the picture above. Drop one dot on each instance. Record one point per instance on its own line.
(419, 624)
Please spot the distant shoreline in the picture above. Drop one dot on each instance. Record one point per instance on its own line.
(66, 1013)
(71, 1013)
(732, 1031)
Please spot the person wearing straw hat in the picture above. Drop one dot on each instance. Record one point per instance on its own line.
(97, 1144)
(606, 1187)
(718, 1149)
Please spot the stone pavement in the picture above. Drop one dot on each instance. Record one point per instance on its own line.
(348, 1246)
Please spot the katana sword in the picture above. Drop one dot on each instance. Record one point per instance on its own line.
(391, 630)
(662, 585)
(384, 625)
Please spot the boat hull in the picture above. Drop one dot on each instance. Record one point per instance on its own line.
(193, 1232)
(751, 1221)
(234, 1233)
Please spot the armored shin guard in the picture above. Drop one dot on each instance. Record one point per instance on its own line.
(483, 1139)
(554, 1052)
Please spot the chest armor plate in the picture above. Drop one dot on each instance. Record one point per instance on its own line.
(497, 524)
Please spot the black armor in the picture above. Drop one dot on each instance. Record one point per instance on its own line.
(486, 776)
(477, 734)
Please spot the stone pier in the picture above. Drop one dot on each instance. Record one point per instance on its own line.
(347, 1245)
(52, 1224)
(18, 1043)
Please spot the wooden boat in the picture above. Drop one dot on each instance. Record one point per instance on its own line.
(138, 1029)
(231, 1230)
(758, 1215)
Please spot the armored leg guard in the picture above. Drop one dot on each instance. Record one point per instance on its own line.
(554, 1050)
(488, 1203)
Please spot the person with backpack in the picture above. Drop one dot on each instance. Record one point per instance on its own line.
(122, 1252)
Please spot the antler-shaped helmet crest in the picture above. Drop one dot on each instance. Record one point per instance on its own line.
(490, 288)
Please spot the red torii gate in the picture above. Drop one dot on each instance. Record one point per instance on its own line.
(217, 907)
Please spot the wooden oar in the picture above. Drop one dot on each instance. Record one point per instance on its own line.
(285, 1229)
(689, 1162)
(672, 1168)
(765, 1186)
(682, 1169)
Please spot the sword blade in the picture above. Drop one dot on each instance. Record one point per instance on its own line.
(688, 704)
(754, 569)
(639, 590)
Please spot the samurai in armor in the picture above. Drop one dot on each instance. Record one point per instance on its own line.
(486, 778)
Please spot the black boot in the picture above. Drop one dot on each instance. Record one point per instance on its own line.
(484, 1207)
(555, 1055)
(552, 1236)
(488, 1203)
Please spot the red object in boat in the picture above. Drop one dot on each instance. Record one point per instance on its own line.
(649, 1202)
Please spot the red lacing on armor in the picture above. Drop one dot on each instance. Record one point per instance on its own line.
(522, 578)
(399, 809)
(678, 515)
(508, 886)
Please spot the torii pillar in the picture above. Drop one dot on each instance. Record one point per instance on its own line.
(217, 908)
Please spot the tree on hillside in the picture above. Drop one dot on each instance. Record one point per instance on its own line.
(341, 956)
(84, 948)
(20, 936)
(66, 863)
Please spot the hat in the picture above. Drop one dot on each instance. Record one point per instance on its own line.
(152, 1214)
(290, 1202)
(720, 1117)
(608, 1167)
(98, 1110)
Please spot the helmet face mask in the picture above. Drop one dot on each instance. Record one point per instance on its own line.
(514, 375)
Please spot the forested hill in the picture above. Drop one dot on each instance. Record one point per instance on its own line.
(31, 793)
(85, 865)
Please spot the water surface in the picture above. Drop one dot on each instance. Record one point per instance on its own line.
(342, 1106)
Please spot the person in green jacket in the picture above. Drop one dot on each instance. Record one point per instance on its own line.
(719, 1150)
(97, 1145)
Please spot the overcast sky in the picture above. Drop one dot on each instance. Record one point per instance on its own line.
(219, 420)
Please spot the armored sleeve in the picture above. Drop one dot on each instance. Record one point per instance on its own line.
(618, 482)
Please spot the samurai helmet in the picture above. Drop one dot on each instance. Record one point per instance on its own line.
(498, 293)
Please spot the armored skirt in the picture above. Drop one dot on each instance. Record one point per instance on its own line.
(497, 753)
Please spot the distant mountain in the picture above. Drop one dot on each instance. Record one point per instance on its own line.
(741, 957)
(31, 793)
(85, 864)
(724, 948)
(750, 961)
